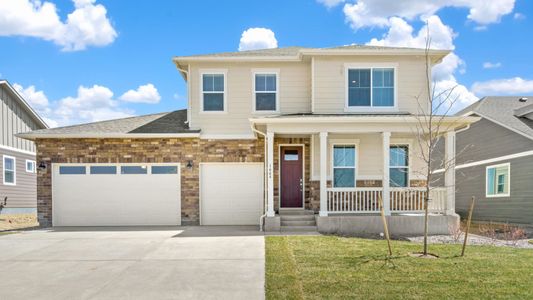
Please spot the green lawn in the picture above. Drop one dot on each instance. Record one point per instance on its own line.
(318, 267)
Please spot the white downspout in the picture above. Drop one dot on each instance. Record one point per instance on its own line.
(265, 188)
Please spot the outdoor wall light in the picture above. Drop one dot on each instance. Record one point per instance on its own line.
(189, 164)
(42, 165)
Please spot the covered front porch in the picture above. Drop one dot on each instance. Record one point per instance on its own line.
(355, 162)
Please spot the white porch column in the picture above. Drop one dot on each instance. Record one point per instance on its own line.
(449, 175)
(323, 174)
(270, 174)
(385, 183)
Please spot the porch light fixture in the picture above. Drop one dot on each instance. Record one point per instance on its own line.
(42, 165)
(189, 164)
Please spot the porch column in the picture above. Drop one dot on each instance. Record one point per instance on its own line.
(449, 174)
(270, 174)
(385, 183)
(323, 174)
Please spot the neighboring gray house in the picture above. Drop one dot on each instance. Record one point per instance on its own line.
(18, 180)
(495, 161)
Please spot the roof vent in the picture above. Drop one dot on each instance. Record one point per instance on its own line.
(523, 99)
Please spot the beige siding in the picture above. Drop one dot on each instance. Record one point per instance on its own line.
(330, 81)
(369, 154)
(294, 95)
(14, 119)
(24, 193)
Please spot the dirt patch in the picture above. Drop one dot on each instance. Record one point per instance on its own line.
(422, 255)
(18, 221)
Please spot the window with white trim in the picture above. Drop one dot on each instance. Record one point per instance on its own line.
(10, 173)
(498, 180)
(344, 165)
(30, 166)
(265, 92)
(370, 87)
(399, 165)
(213, 92)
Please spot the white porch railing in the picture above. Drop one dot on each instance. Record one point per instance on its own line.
(402, 200)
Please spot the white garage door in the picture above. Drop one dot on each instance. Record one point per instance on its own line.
(116, 194)
(231, 193)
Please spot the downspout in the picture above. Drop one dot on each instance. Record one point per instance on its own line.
(265, 188)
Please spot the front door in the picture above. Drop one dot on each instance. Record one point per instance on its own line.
(291, 177)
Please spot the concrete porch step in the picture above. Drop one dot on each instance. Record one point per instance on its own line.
(298, 223)
(292, 212)
(297, 217)
(299, 228)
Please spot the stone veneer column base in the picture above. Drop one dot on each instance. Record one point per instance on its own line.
(399, 225)
(272, 224)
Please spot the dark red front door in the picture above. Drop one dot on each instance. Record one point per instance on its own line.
(291, 177)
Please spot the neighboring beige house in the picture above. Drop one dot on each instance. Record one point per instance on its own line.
(275, 135)
(18, 179)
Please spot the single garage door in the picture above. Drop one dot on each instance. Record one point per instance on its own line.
(231, 193)
(116, 194)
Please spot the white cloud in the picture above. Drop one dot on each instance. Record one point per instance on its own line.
(505, 86)
(257, 38)
(36, 99)
(519, 16)
(88, 25)
(377, 13)
(330, 3)
(144, 94)
(401, 34)
(490, 65)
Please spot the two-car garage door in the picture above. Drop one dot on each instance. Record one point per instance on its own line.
(149, 194)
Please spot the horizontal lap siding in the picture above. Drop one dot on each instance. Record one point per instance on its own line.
(24, 193)
(330, 85)
(294, 95)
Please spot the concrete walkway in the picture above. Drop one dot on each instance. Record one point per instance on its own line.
(134, 263)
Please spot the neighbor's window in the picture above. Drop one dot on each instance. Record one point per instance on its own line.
(372, 87)
(265, 92)
(399, 166)
(30, 166)
(498, 180)
(9, 170)
(344, 165)
(133, 170)
(103, 170)
(164, 170)
(213, 92)
(72, 170)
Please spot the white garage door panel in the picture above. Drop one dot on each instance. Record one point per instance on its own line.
(113, 200)
(232, 194)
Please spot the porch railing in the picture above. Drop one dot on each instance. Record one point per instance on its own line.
(402, 200)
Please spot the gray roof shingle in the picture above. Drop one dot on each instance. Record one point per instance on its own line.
(161, 123)
(501, 109)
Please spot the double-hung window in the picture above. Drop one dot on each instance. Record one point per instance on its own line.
(370, 87)
(265, 92)
(399, 166)
(30, 166)
(498, 180)
(10, 173)
(213, 92)
(344, 157)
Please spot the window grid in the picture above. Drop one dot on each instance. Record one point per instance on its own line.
(212, 90)
(10, 170)
(498, 180)
(266, 90)
(372, 87)
(344, 167)
(399, 167)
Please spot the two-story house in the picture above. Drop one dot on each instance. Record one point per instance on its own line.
(18, 179)
(290, 138)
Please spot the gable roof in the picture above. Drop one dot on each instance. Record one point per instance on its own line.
(503, 111)
(32, 113)
(169, 124)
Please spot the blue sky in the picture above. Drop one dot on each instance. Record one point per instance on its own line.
(111, 47)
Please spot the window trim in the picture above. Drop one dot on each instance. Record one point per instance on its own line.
(223, 72)
(254, 92)
(508, 194)
(332, 164)
(408, 145)
(34, 166)
(371, 66)
(14, 170)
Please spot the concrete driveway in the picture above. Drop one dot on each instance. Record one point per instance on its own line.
(133, 263)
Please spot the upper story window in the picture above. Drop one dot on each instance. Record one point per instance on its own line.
(370, 87)
(213, 92)
(498, 180)
(265, 92)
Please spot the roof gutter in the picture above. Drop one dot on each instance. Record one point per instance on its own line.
(33, 136)
(357, 119)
